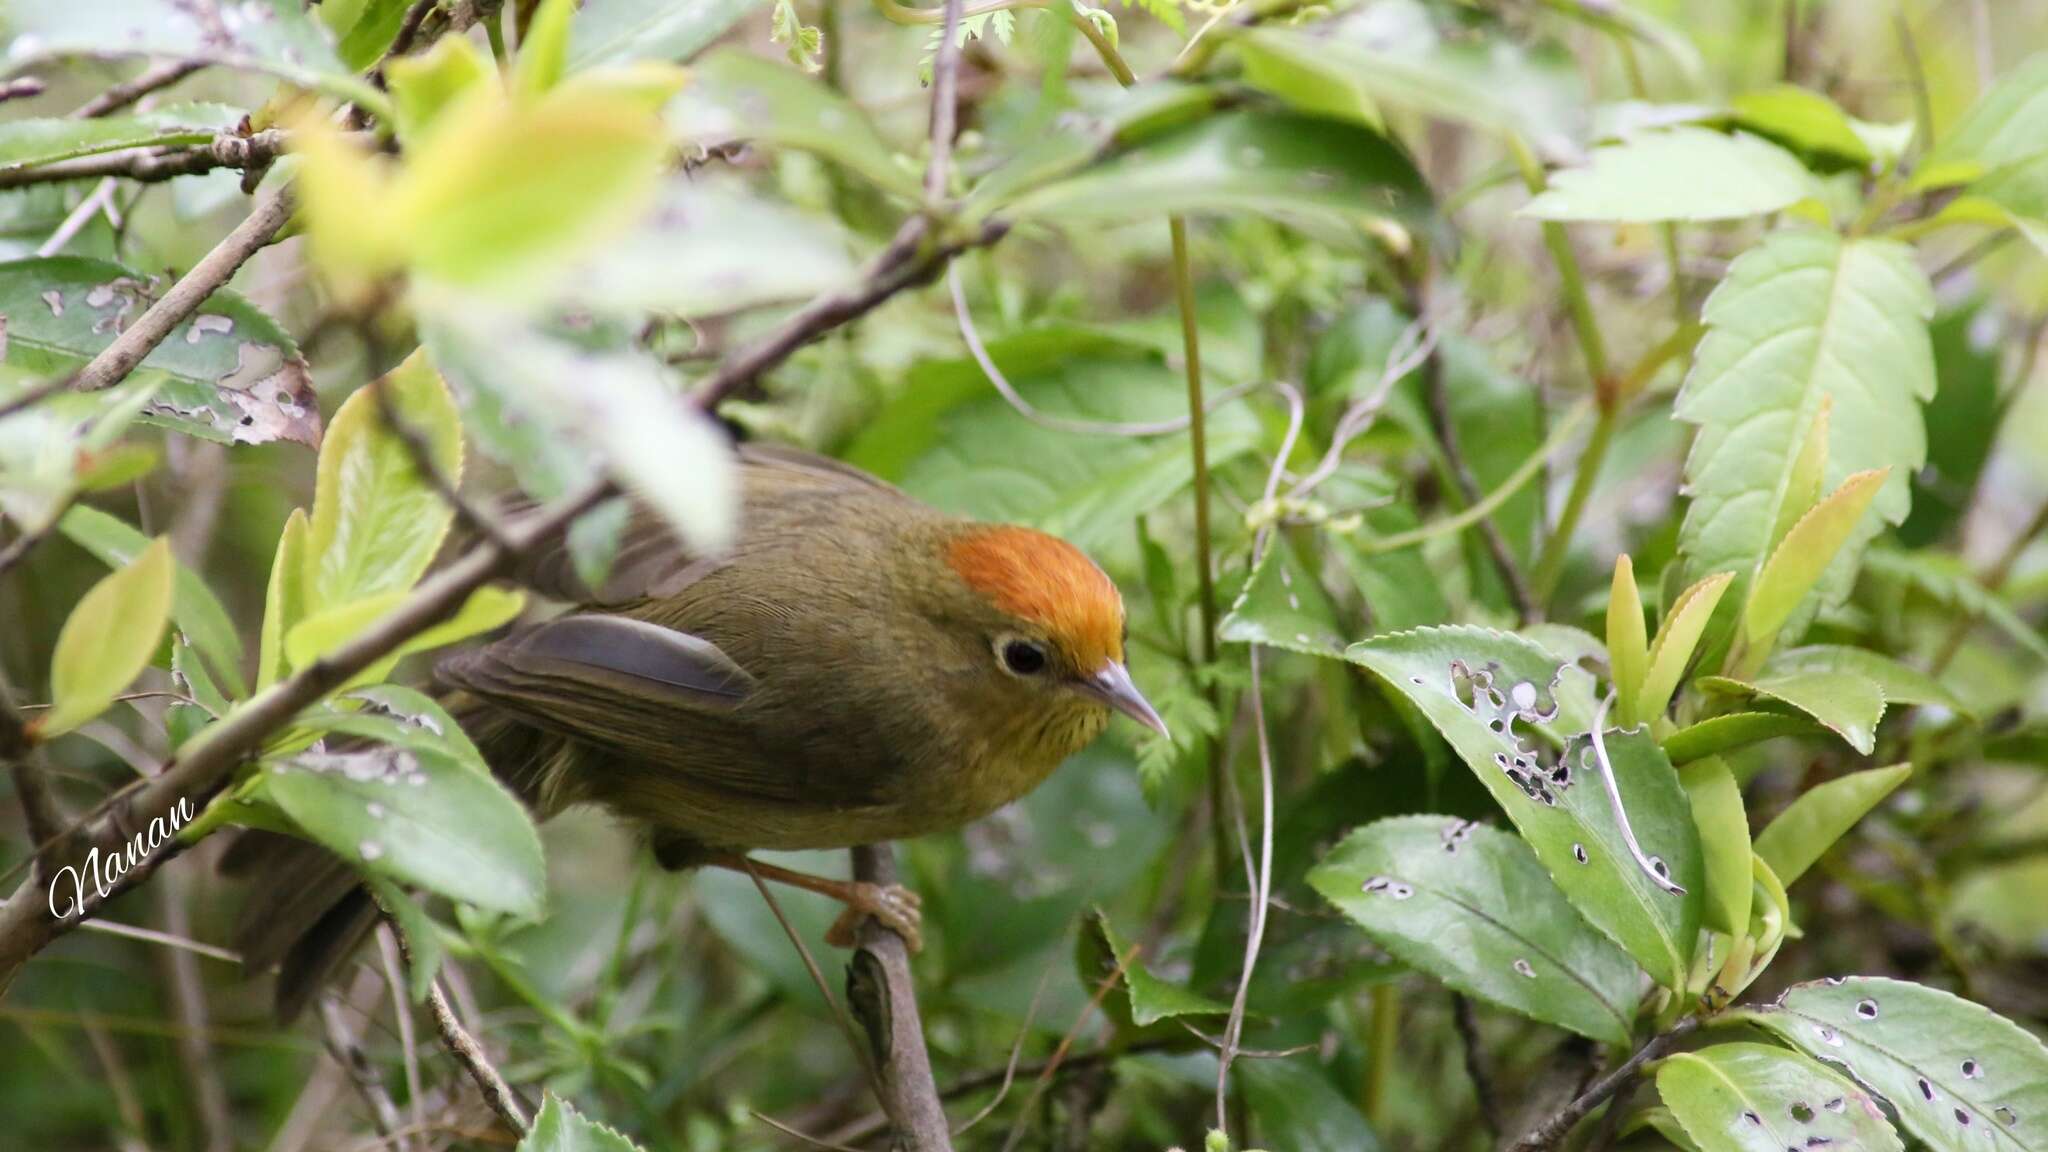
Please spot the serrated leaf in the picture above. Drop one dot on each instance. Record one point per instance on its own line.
(1759, 1098)
(1960, 1076)
(616, 31)
(232, 374)
(274, 36)
(1679, 174)
(1677, 636)
(737, 96)
(1473, 907)
(1561, 806)
(1141, 999)
(417, 816)
(1724, 842)
(1801, 118)
(1847, 704)
(1717, 735)
(1628, 644)
(1283, 606)
(108, 640)
(1800, 316)
(1805, 830)
(199, 614)
(377, 522)
(1900, 683)
(1796, 565)
(560, 1128)
(1264, 162)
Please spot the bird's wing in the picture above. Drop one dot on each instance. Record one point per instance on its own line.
(652, 563)
(653, 695)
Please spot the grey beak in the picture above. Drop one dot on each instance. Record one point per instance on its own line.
(1112, 686)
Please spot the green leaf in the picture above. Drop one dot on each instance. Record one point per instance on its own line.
(1805, 830)
(622, 406)
(543, 50)
(108, 640)
(284, 601)
(1962, 419)
(1721, 734)
(425, 85)
(1283, 606)
(231, 373)
(326, 630)
(2006, 129)
(274, 36)
(1398, 588)
(735, 95)
(1960, 1076)
(367, 28)
(619, 31)
(1677, 636)
(412, 707)
(712, 247)
(1801, 316)
(1143, 999)
(377, 522)
(1103, 124)
(416, 815)
(1949, 582)
(560, 1128)
(1724, 840)
(422, 935)
(1899, 683)
(1559, 803)
(1628, 645)
(1805, 483)
(1801, 118)
(198, 612)
(1244, 161)
(1308, 73)
(1299, 1110)
(30, 143)
(1845, 703)
(1796, 565)
(1472, 906)
(1758, 1098)
(1679, 174)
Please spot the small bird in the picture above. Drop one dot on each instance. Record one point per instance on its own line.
(859, 667)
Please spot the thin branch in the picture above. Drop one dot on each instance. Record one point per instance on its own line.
(1467, 1023)
(187, 994)
(1016, 1051)
(883, 997)
(408, 31)
(394, 978)
(129, 91)
(474, 1060)
(472, 518)
(213, 271)
(156, 165)
(39, 808)
(36, 395)
(100, 199)
(1551, 1132)
(368, 1081)
(20, 88)
(945, 104)
(1059, 1053)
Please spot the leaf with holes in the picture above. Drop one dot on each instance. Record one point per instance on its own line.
(416, 815)
(1680, 174)
(1759, 1098)
(1845, 703)
(1519, 720)
(1283, 606)
(1961, 1077)
(231, 373)
(1799, 317)
(1472, 906)
(1806, 829)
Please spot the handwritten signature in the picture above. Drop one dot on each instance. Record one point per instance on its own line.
(105, 872)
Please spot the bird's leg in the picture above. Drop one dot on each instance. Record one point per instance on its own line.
(894, 905)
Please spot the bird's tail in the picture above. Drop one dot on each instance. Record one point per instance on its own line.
(305, 913)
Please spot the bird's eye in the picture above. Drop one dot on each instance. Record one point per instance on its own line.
(1022, 657)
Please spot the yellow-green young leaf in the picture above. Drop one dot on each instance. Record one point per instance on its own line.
(329, 629)
(108, 639)
(544, 50)
(1628, 647)
(1676, 638)
(1797, 563)
(1682, 174)
(1808, 476)
(198, 613)
(345, 199)
(423, 86)
(1724, 837)
(284, 602)
(1804, 119)
(1804, 832)
(1845, 702)
(376, 521)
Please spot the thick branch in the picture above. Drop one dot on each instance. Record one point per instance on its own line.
(1551, 1132)
(884, 999)
(155, 165)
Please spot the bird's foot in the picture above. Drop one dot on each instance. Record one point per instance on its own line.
(897, 908)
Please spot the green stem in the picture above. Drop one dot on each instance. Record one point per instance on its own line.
(1557, 546)
(1484, 506)
(1580, 305)
(1385, 1038)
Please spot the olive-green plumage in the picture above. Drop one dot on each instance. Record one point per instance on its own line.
(858, 667)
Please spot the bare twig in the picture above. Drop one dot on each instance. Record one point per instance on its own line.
(39, 807)
(1016, 1050)
(100, 199)
(945, 105)
(1059, 1053)
(129, 91)
(1467, 1023)
(883, 997)
(474, 1060)
(368, 1081)
(127, 1105)
(1548, 1134)
(213, 271)
(156, 165)
(188, 1004)
(408, 31)
(394, 978)
(20, 88)
(36, 395)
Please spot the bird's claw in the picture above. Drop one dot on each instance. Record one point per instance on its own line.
(897, 908)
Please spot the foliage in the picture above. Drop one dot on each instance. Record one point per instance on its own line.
(1574, 473)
